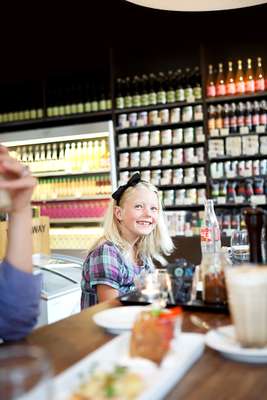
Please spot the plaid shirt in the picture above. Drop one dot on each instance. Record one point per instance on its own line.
(106, 265)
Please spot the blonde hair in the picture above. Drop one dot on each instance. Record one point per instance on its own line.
(154, 245)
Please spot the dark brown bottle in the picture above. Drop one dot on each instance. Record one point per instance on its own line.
(254, 223)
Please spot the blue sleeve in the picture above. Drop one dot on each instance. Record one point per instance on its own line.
(19, 301)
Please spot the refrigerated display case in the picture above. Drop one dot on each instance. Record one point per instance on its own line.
(61, 290)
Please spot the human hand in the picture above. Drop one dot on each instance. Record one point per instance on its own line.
(18, 181)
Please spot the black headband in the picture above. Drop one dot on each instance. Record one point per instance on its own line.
(136, 178)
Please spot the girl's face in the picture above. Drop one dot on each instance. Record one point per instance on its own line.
(138, 215)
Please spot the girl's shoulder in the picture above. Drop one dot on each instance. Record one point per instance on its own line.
(106, 247)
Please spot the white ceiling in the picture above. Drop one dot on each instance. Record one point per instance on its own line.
(196, 5)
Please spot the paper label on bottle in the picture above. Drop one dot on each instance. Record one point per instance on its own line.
(240, 87)
(244, 130)
(211, 91)
(258, 199)
(206, 234)
(221, 90)
(230, 88)
(260, 129)
(221, 200)
(260, 84)
(250, 86)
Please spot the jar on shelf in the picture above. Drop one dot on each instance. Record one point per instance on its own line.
(187, 114)
(166, 156)
(168, 197)
(144, 138)
(122, 121)
(179, 197)
(153, 117)
(133, 119)
(154, 138)
(166, 136)
(166, 178)
(124, 160)
(177, 136)
(199, 134)
(133, 139)
(175, 115)
(177, 156)
(155, 177)
(142, 118)
(188, 135)
(145, 158)
(155, 157)
(177, 176)
(146, 175)
(123, 140)
(164, 116)
(135, 159)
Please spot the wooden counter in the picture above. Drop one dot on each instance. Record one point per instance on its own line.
(211, 378)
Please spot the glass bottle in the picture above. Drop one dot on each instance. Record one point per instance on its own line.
(119, 96)
(230, 80)
(211, 89)
(254, 223)
(249, 80)
(197, 91)
(239, 79)
(170, 91)
(210, 235)
(179, 89)
(259, 77)
(248, 115)
(136, 94)
(161, 93)
(152, 96)
(220, 82)
(128, 100)
(144, 90)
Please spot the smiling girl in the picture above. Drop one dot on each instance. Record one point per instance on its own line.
(134, 234)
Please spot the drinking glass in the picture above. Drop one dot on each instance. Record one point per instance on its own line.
(240, 246)
(25, 373)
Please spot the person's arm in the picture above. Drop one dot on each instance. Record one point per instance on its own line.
(20, 184)
(105, 292)
(19, 288)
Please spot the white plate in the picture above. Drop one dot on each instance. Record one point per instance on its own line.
(185, 351)
(119, 319)
(224, 341)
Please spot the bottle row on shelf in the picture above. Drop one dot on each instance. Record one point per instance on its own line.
(88, 155)
(238, 82)
(238, 192)
(188, 223)
(236, 146)
(161, 157)
(75, 209)
(66, 97)
(163, 137)
(22, 115)
(161, 88)
(84, 186)
(158, 117)
(237, 118)
(238, 169)
(163, 177)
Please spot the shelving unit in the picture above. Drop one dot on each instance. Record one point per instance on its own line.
(113, 114)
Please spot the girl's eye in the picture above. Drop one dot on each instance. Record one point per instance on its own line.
(138, 206)
(154, 208)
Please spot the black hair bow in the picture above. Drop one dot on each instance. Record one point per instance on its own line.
(136, 178)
